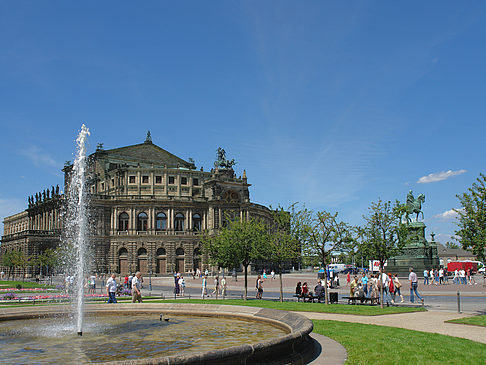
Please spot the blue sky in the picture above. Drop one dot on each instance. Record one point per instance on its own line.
(332, 104)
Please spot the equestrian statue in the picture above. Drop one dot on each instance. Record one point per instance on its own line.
(414, 205)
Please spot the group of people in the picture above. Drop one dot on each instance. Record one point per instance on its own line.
(134, 283)
(219, 286)
(179, 284)
(370, 285)
(302, 291)
(441, 276)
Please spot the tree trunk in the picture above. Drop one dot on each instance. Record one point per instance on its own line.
(326, 291)
(281, 285)
(380, 282)
(246, 281)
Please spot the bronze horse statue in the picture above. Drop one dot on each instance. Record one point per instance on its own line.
(414, 205)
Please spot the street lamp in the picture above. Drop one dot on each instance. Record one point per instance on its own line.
(150, 272)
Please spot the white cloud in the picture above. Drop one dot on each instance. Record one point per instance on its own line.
(439, 176)
(447, 215)
(39, 157)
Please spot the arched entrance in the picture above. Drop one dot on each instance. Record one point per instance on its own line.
(161, 261)
(142, 263)
(123, 261)
(197, 259)
(179, 260)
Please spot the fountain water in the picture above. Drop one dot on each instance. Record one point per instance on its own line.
(77, 220)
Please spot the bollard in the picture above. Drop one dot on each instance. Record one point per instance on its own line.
(458, 302)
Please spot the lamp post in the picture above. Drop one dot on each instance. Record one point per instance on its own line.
(150, 272)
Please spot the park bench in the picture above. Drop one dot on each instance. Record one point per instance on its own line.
(362, 300)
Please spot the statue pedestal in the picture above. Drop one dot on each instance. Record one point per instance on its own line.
(417, 253)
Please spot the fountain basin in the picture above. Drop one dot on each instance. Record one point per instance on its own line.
(291, 346)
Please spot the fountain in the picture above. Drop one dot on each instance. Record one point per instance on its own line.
(76, 222)
(136, 333)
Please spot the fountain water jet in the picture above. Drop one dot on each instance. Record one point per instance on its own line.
(78, 220)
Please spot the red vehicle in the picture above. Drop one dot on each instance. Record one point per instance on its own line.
(462, 265)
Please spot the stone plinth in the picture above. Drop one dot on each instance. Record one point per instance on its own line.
(417, 253)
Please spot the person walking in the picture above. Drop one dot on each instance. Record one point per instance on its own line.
(136, 287)
(111, 289)
(412, 277)
(259, 287)
(426, 277)
(223, 287)
(398, 285)
(204, 291)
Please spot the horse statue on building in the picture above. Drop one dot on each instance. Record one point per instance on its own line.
(221, 161)
(414, 205)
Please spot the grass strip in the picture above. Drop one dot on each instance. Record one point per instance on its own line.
(24, 284)
(372, 344)
(362, 310)
(479, 320)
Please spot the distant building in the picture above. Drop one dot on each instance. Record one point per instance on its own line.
(147, 207)
(447, 254)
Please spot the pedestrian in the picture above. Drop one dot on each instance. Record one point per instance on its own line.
(204, 287)
(441, 276)
(223, 287)
(136, 287)
(264, 274)
(130, 279)
(426, 277)
(273, 274)
(111, 289)
(455, 279)
(259, 287)
(176, 283)
(125, 282)
(182, 285)
(348, 279)
(431, 276)
(93, 284)
(216, 285)
(364, 282)
(397, 285)
(412, 277)
(391, 288)
(385, 281)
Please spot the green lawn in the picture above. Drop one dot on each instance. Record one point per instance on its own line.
(363, 310)
(371, 344)
(24, 284)
(479, 320)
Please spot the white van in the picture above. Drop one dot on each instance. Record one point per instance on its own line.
(337, 267)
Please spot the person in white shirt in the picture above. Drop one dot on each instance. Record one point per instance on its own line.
(136, 287)
(111, 288)
(413, 286)
(456, 277)
(441, 276)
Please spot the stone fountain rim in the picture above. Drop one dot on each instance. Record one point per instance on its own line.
(298, 326)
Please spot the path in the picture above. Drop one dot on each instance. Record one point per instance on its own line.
(431, 321)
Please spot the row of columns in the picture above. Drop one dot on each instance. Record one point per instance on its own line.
(152, 213)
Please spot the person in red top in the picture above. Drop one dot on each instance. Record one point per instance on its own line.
(305, 290)
(125, 283)
(348, 279)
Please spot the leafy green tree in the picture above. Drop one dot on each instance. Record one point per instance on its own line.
(9, 261)
(452, 245)
(239, 243)
(22, 262)
(324, 234)
(385, 233)
(280, 245)
(472, 218)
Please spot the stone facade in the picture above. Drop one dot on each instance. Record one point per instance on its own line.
(147, 209)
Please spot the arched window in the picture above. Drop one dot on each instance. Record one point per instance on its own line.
(196, 222)
(142, 220)
(123, 222)
(161, 222)
(123, 252)
(161, 251)
(180, 251)
(179, 222)
(142, 252)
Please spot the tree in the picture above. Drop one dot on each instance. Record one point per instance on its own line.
(471, 218)
(281, 245)
(385, 233)
(239, 243)
(8, 260)
(324, 234)
(452, 245)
